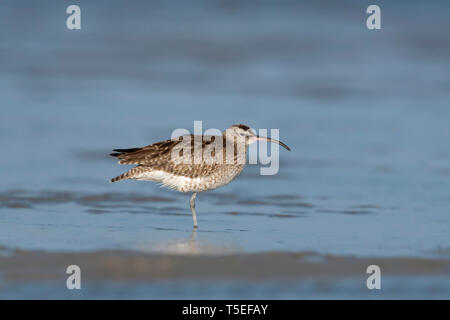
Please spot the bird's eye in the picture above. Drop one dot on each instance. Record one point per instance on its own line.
(242, 134)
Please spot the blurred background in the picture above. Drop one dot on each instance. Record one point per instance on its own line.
(365, 112)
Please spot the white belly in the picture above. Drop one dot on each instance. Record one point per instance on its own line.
(185, 184)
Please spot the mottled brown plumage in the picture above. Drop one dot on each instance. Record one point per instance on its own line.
(158, 156)
(191, 163)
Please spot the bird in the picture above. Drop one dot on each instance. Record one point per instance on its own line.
(192, 163)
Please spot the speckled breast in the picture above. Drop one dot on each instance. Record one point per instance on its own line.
(219, 177)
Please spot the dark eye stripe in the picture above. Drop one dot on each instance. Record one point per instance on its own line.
(242, 126)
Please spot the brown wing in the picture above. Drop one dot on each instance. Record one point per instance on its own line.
(168, 155)
(159, 156)
(149, 155)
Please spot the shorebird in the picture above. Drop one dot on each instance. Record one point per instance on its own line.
(191, 163)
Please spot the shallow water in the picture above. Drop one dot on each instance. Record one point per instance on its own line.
(76, 221)
(365, 114)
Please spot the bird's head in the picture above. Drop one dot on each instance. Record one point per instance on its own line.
(241, 131)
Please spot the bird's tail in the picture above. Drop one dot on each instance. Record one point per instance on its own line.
(130, 174)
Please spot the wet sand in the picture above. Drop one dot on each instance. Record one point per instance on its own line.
(130, 275)
(22, 265)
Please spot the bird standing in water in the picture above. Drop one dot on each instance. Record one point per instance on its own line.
(191, 163)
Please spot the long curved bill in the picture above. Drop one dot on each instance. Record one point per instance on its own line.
(273, 140)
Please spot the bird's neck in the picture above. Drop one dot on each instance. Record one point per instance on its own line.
(235, 149)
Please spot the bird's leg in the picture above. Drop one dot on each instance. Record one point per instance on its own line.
(192, 240)
(194, 216)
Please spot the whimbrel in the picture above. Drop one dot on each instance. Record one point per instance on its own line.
(191, 163)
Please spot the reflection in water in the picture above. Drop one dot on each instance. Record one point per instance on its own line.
(193, 245)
